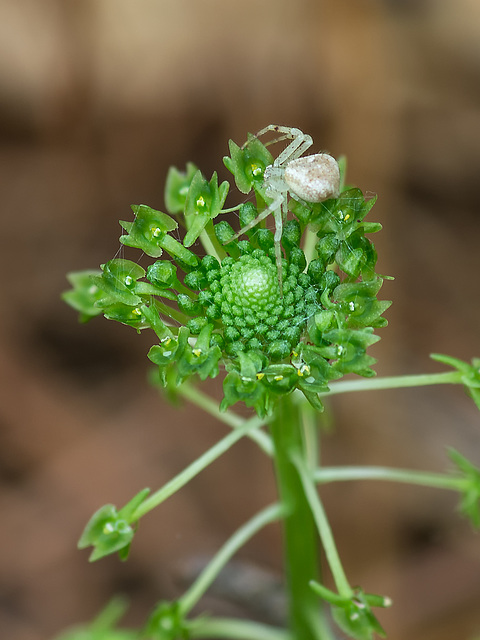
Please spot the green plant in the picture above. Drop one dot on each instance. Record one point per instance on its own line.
(282, 332)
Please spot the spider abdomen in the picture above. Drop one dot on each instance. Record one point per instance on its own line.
(313, 178)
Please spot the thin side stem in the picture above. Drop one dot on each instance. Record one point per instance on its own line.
(238, 539)
(231, 209)
(210, 406)
(394, 382)
(323, 526)
(236, 629)
(195, 468)
(310, 240)
(423, 478)
(170, 312)
(210, 242)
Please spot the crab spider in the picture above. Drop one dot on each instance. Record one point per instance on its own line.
(313, 179)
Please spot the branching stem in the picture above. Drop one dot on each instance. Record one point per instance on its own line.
(236, 629)
(239, 538)
(423, 478)
(323, 526)
(394, 382)
(195, 467)
(210, 406)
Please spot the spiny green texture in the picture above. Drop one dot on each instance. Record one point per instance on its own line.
(227, 312)
(242, 298)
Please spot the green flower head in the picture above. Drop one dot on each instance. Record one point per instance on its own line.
(272, 317)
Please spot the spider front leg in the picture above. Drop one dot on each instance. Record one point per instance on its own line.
(300, 142)
(276, 207)
(279, 215)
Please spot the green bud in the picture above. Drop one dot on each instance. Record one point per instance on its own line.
(147, 230)
(248, 163)
(177, 186)
(247, 213)
(162, 273)
(204, 202)
(187, 305)
(85, 294)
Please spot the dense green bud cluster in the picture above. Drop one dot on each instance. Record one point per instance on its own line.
(274, 326)
(242, 297)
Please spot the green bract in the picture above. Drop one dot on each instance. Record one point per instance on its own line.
(354, 614)
(166, 623)
(470, 373)
(470, 500)
(109, 530)
(226, 310)
(248, 163)
(103, 627)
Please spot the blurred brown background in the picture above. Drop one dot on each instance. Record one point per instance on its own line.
(97, 99)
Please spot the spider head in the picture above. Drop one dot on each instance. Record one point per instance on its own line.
(274, 179)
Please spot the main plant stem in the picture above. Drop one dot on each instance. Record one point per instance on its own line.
(300, 536)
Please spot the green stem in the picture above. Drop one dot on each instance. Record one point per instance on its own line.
(181, 288)
(423, 478)
(394, 382)
(236, 208)
(210, 242)
(326, 535)
(229, 418)
(195, 468)
(170, 312)
(300, 537)
(238, 539)
(310, 240)
(236, 629)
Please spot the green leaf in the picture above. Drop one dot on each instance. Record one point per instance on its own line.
(151, 315)
(118, 281)
(359, 303)
(109, 530)
(167, 353)
(106, 532)
(177, 186)
(176, 249)
(147, 230)
(85, 294)
(354, 615)
(248, 163)
(166, 623)
(246, 385)
(103, 626)
(201, 358)
(347, 350)
(131, 316)
(371, 227)
(470, 373)
(204, 202)
(470, 500)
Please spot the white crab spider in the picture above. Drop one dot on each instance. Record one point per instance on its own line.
(313, 178)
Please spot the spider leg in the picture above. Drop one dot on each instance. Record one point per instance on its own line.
(295, 149)
(278, 214)
(278, 208)
(272, 207)
(300, 142)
